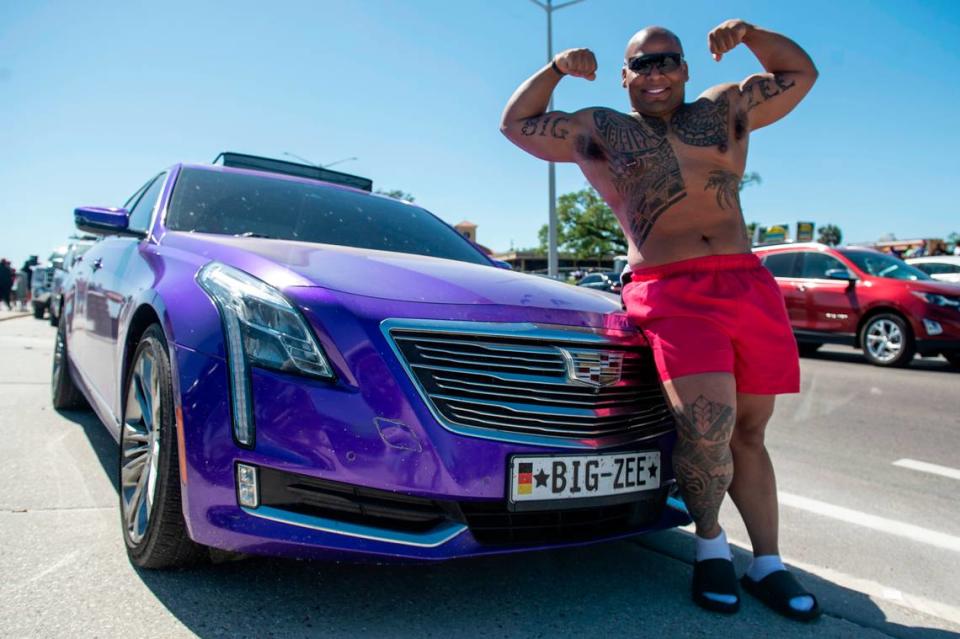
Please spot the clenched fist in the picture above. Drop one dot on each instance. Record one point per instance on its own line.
(580, 63)
(726, 36)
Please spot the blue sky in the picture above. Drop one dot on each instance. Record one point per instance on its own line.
(95, 97)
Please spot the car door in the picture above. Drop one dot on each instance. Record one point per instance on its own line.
(108, 292)
(832, 304)
(784, 266)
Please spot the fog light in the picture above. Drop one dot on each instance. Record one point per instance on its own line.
(247, 492)
(932, 327)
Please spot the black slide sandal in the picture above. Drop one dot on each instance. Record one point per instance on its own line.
(716, 576)
(777, 589)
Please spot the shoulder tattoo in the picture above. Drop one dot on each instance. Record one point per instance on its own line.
(703, 123)
(642, 165)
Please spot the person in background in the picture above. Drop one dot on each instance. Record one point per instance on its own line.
(21, 290)
(6, 282)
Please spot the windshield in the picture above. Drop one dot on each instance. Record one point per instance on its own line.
(883, 265)
(262, 206)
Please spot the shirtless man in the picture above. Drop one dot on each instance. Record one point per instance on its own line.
(714, 317)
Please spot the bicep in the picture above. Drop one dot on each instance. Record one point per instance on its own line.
(767, 97)
(549, 136)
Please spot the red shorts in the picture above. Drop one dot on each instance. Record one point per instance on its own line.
(716, 314)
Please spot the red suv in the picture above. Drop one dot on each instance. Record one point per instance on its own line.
(866, 299)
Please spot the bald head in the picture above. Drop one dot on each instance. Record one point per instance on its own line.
(649, 36)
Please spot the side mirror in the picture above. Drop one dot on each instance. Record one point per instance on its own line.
(841, 274)
(101, 221)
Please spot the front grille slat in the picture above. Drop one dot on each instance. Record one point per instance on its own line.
(520, 384)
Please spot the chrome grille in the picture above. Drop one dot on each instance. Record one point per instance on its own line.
(529, 386)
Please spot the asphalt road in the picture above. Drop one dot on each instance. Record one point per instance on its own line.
(879, 543)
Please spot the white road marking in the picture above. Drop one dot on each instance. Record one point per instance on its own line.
(925, 467)
(882, 524)
(872, 589)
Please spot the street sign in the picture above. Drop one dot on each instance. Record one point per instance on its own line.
(805, 231)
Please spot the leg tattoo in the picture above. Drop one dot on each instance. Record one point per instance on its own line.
(702, 460)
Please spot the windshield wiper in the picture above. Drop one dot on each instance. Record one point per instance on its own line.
(252, 234)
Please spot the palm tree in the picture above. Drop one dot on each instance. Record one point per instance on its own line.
(830, 235)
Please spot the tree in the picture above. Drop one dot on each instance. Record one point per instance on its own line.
(830, 235)
(396, 194)
(586, 226)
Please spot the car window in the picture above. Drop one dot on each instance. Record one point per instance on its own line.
(883, 265)
(143, 209)
(136, 196)
(782, 264)
(816, 265)
(590, 279)
(937, 267)
(229, 203)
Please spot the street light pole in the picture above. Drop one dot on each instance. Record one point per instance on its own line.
(553, 262)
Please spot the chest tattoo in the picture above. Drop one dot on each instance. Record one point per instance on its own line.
(727, 185)
(703, 123)
(643, 167)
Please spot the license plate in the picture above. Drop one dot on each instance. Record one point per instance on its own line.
(544, 478)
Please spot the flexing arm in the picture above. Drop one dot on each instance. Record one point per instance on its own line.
(790, 72)
(525, 122)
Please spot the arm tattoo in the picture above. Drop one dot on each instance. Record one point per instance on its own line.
(544, 125)
(702, 460)
(761, 90)
(644, 168)
(727, 185)
(703, 123)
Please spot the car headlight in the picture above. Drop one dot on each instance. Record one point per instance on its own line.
(937, 299)
(262, 329)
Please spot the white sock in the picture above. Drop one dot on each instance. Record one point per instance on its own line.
(716, 548)
(763, 565)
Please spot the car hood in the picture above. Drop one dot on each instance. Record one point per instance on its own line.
(935, 286)
(401, 276)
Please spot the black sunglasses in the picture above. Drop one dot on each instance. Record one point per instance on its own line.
(664, 62)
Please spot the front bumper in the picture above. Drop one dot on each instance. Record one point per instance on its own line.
(314, 430)
(372, 433)
(948, 340)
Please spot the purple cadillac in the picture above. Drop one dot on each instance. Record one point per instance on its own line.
(295, 366)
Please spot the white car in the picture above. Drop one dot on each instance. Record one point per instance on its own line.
(940, 267)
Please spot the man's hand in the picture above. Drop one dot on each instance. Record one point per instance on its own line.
(580, 63)
(726, 36)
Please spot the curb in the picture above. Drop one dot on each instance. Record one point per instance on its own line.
(17, 316)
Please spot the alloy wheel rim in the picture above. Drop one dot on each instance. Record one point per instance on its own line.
(140, 447)
(884, 340)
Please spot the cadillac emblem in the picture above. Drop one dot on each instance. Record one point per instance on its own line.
(592, 367)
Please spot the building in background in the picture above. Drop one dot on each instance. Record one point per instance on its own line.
(469, 230)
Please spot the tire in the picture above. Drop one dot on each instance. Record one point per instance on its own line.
(54, 319)
(954, 358)
(154, 530)
(64, 392)
(886, 340)
(808, 349)
(38, 310)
